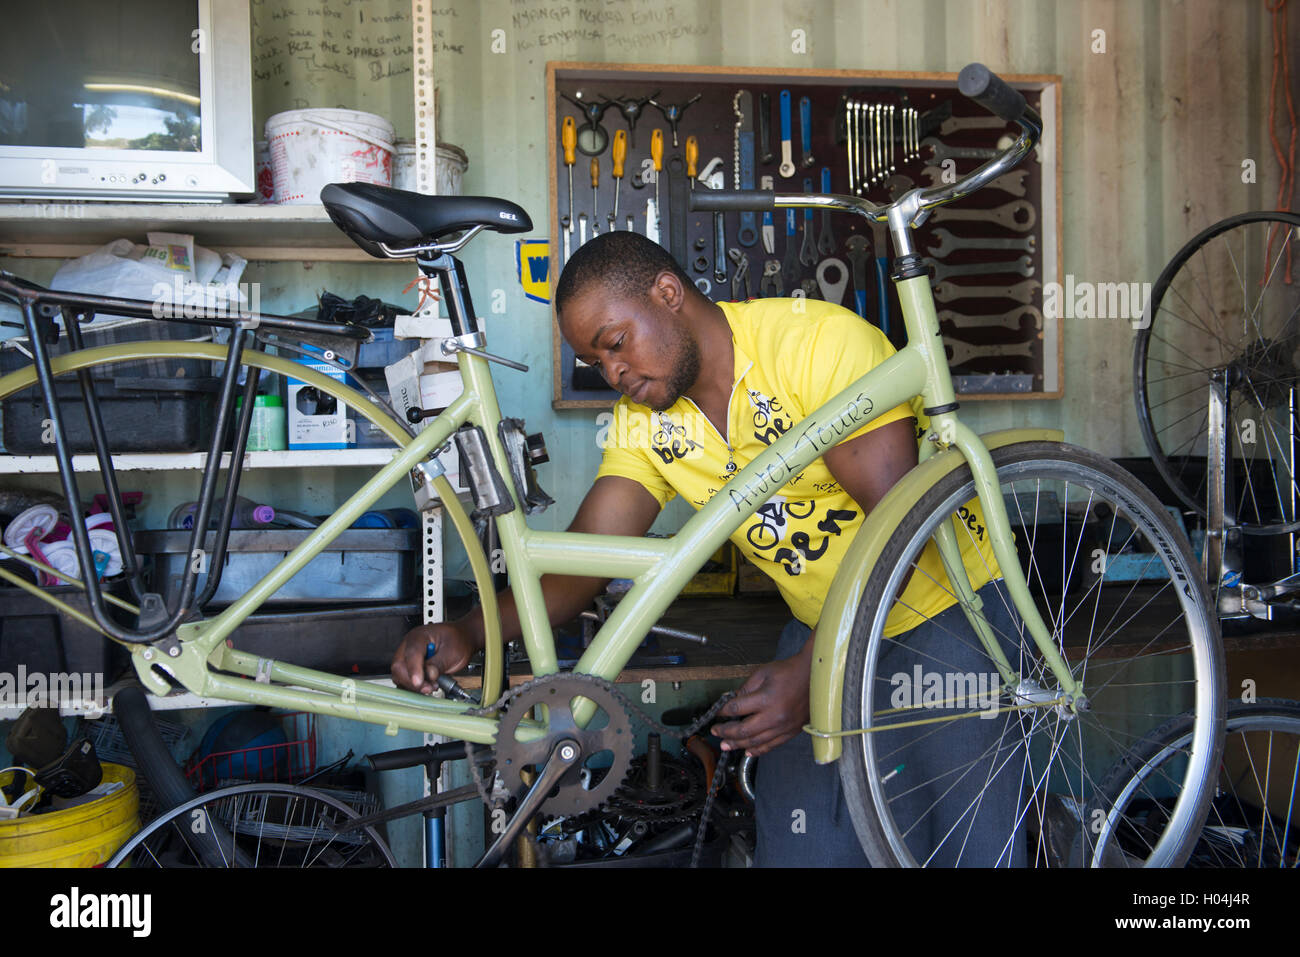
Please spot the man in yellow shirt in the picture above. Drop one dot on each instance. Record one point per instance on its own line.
(707, 387)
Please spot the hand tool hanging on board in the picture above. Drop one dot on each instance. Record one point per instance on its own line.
(1017, 214)
(569, 137)
(1024, 266)
(959, 353)
(743, 105)
(657, 157)
(592, 138)
(672, 114)
(595, 196)
(619, 155)
(786, 169)
(1022, 291)
(790, 268)
(692, 158)
(713, 177)
(582, 230)
(808, 252)
(880, 240)
(858, 251)
(826, 241)
(1017, 318)
(677, 201)
(740, 284)
(947, 243)
(652, 221)
(771, 283)
(769, 228)
(805, 131)
(1012, 183)
(765, 128)
(832, 291)
(631, 108)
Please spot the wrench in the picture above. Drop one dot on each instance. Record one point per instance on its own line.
(740, 275)
(769, 230)
(765, 128)
(942, 151)
(948, 242)
(851, 131)
(805, 130)
(770, 285)
(714, 178)
(954, 123)
(786, 168)
(826, 241)
(1007, 215)
(1020, 292)
(582, 230)
(809, 288)
(1023, 266)
(897, 185)
(859, 254)
(959, 353)
(1009, 320)
(832, 291)
(1012, 183)
(790, 268)
(743, 105)
(808, 254)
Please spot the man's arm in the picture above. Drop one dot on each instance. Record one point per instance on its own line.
(775, 697)
(614, 506)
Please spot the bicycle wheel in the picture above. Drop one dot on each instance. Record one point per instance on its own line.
(983, 783)
(1229, 300)
(1254, 817)
(256, 825)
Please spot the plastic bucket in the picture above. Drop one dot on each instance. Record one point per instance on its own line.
(83, 836)
(312, 148)
(452, 163)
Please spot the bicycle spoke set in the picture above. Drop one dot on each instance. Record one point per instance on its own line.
(643, 139)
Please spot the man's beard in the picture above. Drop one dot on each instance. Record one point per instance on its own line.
(686, 369)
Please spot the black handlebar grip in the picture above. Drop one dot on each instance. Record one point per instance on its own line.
(730, 200)
(989, 90)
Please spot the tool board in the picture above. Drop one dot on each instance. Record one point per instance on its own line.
(868, 133)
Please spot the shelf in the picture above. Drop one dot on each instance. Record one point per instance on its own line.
(61, 230)
(184, 461)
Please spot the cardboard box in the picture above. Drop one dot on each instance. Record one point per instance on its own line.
(316, 421)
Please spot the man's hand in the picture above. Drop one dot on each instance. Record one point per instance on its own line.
(775, 698)
(411, 670)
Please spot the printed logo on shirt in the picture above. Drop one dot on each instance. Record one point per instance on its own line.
(770, 422)
(792, 525)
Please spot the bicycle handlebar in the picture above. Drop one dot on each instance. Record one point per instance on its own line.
(975, 81)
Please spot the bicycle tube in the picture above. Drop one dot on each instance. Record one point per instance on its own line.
(128, 352)
(835, 627)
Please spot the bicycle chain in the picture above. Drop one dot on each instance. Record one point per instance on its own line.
(633, 711)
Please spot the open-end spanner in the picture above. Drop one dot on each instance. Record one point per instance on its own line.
(786, 169)
(858, 251)
(1012, 183)
(826, 241)
(1023, 266)
(805, 131)
(769, 229)
(954, 123)
(765, 128)
(832, 291)
(1017, 214)
(1022, 291)
(959, 353)
(948, 242)
(943, 151)
(808, 253)
(770, 284)
(790, 267)
(1014, 319)
(740, 275)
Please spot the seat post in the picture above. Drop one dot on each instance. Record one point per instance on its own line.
(450, 272)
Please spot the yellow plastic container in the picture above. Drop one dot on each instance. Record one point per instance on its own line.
(81, 836)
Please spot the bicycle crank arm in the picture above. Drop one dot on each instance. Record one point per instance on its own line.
(566, 754)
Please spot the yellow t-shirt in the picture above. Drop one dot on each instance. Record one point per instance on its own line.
(791, 356)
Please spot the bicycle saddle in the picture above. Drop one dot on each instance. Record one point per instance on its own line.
(371, 215)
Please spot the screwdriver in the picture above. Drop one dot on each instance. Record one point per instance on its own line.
(657, 154)
(692, 157)
(569, 136)
(595, 205)
(619, 154)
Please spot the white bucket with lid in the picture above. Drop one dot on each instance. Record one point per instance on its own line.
(312, 148)
(450, 169)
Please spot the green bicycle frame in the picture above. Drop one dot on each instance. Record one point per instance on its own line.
(658, 568)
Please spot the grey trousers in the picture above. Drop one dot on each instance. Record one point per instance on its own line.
(800, 813)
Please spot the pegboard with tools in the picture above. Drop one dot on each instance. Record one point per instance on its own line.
(635, 140)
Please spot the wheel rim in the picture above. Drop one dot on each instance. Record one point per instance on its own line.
(1058, 766)
(1228, 301)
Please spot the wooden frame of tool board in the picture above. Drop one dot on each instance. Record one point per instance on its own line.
(986, 374)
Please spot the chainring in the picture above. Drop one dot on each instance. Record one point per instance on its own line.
(679, 797)
(557, 692)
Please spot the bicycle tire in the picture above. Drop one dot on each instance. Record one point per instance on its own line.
(1229, 837)
(286, 834)
(884, 772)
(1193, 310)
